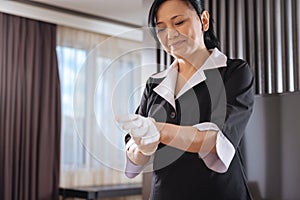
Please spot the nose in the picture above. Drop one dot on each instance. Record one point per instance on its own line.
(172, 33)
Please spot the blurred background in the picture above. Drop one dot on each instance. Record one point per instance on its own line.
(67, 68)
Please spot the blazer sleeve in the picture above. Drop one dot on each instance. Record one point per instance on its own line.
(232, 96)
(240, 98)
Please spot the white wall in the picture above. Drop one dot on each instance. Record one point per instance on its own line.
(56, 17)
(290, 137)
(272, 146)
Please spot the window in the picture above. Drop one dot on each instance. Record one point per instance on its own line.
(68, 69)
(100, 78)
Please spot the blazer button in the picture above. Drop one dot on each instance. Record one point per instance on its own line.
(172, 115)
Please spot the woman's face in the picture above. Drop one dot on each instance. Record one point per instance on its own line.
(179, 28)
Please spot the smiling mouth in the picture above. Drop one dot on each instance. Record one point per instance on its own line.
(175, 45)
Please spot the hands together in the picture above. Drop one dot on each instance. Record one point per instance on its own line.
(142, 130)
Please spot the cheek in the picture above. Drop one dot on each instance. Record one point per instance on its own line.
(192, 33)
(195, 37)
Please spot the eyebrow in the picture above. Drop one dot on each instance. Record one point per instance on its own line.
(174, 17)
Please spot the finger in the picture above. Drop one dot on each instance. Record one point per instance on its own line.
(132, 124)
(150, 139)
(137, 140)
(130, 152)
(126, 118)
(131, 147)
(139, 132)
(136, 151)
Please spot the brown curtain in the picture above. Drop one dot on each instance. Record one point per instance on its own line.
(29, 110)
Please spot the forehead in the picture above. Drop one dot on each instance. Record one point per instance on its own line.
(171, 8)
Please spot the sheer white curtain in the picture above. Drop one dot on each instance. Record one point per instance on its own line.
(100, 78)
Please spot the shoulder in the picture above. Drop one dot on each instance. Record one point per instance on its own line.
(237, 67)
(235, 64)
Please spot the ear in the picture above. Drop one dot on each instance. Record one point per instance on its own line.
(205, 20)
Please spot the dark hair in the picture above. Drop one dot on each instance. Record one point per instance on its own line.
(210, 39)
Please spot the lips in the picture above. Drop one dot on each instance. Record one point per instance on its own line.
(176, 44)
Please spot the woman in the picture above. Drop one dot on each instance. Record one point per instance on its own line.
(192, 116)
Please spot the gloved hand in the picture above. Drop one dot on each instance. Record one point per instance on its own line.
(142, 130)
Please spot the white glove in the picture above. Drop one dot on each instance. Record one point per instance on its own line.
(142, 130)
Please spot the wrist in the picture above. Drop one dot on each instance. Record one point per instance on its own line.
(166, 131)
(160, 126)
(149, 149)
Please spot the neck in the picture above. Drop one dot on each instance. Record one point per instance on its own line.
(187, 67)
(193, 62)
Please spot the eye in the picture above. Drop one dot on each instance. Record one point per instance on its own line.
(160, 30)
(179, 23)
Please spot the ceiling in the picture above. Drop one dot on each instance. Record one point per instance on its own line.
(125, 11)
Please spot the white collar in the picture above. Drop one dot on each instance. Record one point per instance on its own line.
(166, 89)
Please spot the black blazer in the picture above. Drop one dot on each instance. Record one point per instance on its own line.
(224, 98)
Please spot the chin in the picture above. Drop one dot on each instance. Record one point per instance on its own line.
(181, 54)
